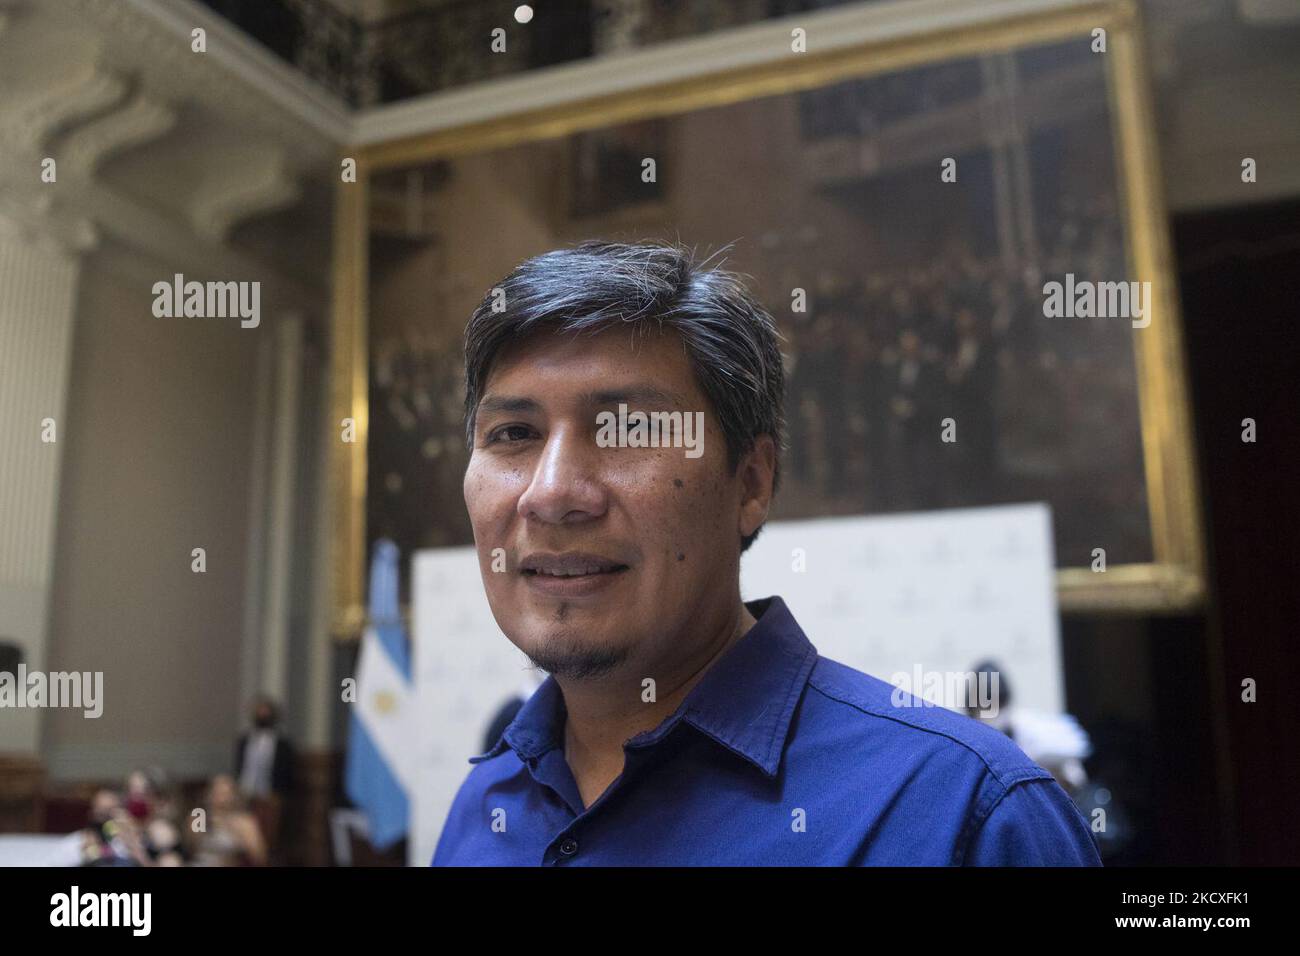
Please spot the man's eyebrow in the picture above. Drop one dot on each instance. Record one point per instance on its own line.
(507, 403)
(632, 395)
(642, 394)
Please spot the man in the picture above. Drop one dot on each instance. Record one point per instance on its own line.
(678, 725)
(263, 756)
(264, 760)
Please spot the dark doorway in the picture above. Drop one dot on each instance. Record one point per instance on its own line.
(1239, 270)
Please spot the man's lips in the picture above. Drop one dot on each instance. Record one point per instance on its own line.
(570, 574)
(568, 564)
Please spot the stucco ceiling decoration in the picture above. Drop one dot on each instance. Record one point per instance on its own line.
(167, 150)
(236, 193)
(138, 121)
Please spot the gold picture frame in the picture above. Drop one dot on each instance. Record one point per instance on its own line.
(1172, 582)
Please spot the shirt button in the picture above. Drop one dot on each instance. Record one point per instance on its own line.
(569, 847)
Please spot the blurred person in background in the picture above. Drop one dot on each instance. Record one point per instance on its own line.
(264, 755)
(113, 837)
(231, 835)
(264, 760)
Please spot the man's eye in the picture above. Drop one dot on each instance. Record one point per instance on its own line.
(509, 433)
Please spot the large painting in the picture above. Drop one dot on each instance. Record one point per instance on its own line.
(924, 233)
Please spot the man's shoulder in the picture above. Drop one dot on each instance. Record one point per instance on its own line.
(961, 791)
(887, 718)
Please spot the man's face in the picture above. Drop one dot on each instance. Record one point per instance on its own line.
(609, 556)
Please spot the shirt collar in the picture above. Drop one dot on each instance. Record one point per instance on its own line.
(745, 701)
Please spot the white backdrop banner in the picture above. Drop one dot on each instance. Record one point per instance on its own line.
(937, 591)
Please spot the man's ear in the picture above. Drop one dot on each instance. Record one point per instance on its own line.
(757, 473)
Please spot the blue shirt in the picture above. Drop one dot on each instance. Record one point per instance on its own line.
(776, 757)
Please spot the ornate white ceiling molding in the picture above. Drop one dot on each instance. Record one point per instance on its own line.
(152, 37)
(138, 122)
(100, 80)
(31, 123)
(174, 246)
(241, 191)
(34, 219)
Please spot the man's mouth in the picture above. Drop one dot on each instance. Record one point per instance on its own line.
(571, 575)
(569, 564)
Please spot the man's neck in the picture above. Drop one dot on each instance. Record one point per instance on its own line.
(603, 714)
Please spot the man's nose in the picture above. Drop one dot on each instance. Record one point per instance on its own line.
(566, 486)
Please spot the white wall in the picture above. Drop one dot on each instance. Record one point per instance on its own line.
(157, 442)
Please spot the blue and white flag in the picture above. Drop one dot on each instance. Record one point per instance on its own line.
(380, 774)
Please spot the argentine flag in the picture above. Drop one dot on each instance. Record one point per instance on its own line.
(380, 773)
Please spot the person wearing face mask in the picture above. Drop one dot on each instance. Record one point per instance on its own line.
(264, 761)
(264, 756)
